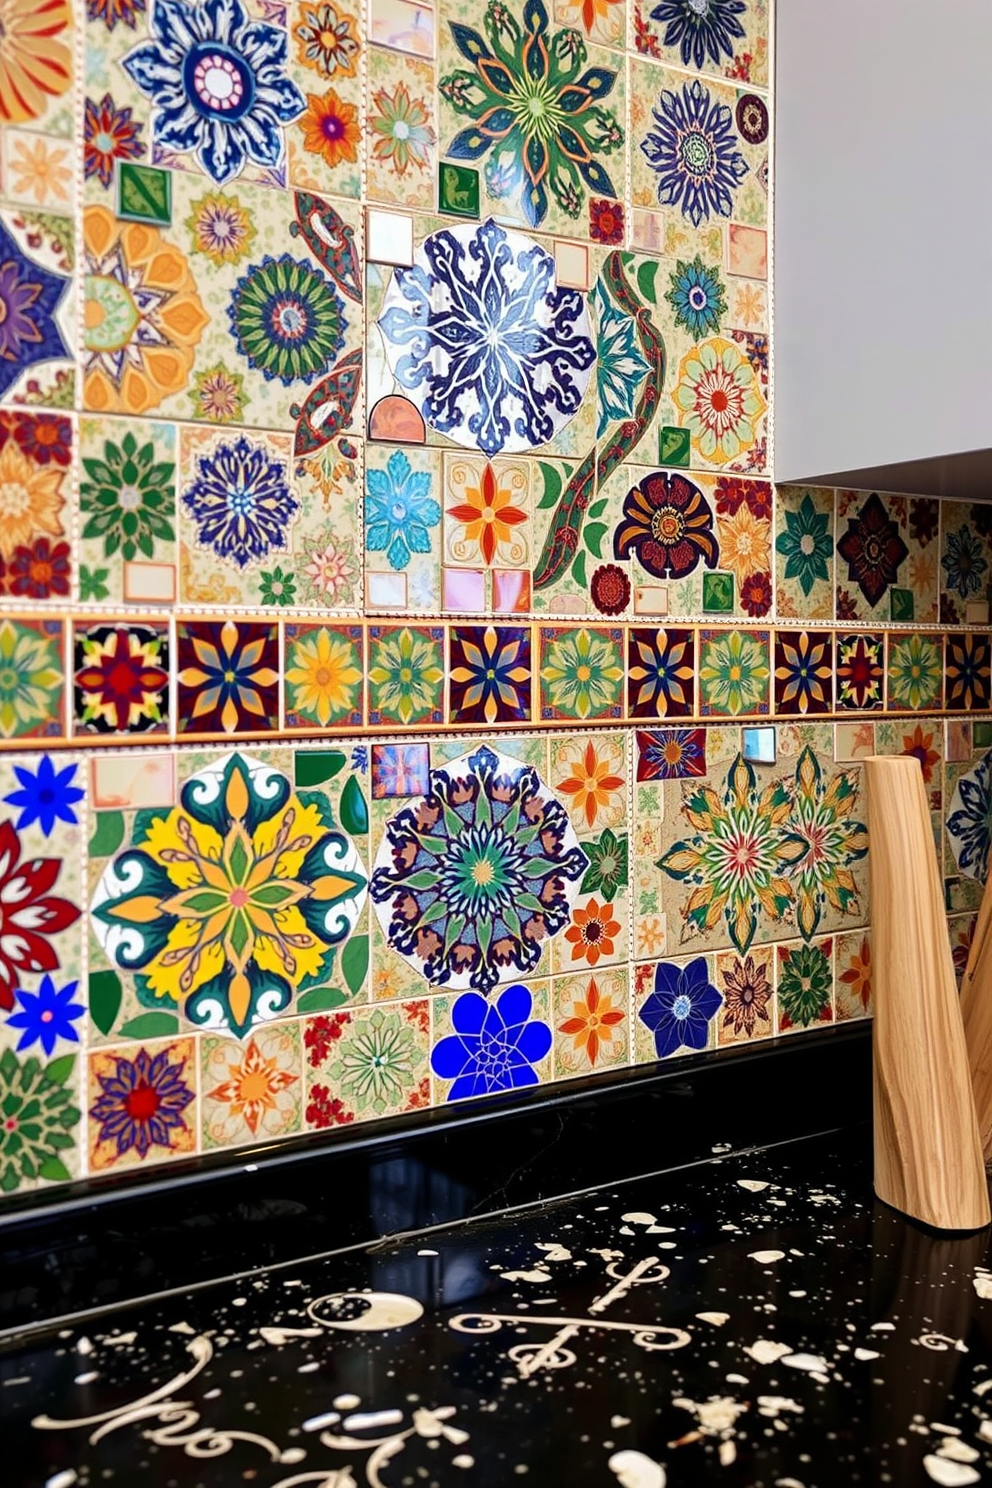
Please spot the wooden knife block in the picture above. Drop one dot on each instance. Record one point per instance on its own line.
(928, 1156)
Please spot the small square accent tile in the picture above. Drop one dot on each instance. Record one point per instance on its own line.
(124, 1132)
(388, 237)
(958, 745)
(901, 606)
(718, 593)
(572, 265)
(511, 591)
(144, 193)
(674, 446)
(759, 745)
(251, 1091)
(747, 251)
(464, 591)
(490, 674)
(458, 190)
(400, 770)
(651, 599)
(853, 741)
(982, 734)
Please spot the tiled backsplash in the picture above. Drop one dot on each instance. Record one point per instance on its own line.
(411, 684)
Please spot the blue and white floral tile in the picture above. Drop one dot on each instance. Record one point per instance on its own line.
(260, 527)
(967, 816)
(42, 1004)
(435, 323)
(210, 88)
(487, 1046)
(364, 1063)
(852, 973)
(804, 553)
(549, 172)
(747, 986)
(251, 1091)
(38, 303)
(887, 557)
(728, 38)
(676, 1006)
(804, 984)
(400, 130)
(303, 820)
(402, 529)
(127, 511)
(965, 561)
(141, 1104)
(592, 1026)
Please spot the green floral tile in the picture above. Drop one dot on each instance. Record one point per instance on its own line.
(734, 673)
(406, 675)
(559, 154)
(805, 984)
(581, 672)
(804, 553)
(914, 672)
(367, 1062)
(127, 502)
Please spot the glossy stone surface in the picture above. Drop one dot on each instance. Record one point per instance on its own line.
(755, 1320)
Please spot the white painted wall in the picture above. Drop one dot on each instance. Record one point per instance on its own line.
(883, 232)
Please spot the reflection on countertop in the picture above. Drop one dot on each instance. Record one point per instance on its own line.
(758, 1320)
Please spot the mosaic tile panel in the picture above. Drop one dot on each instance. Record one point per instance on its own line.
(412, 685)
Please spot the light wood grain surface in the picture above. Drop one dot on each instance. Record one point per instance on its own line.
(928, 1157)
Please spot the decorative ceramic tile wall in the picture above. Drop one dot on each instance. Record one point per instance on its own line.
(412, 686)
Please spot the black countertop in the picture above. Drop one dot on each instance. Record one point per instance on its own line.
(755, 1320)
